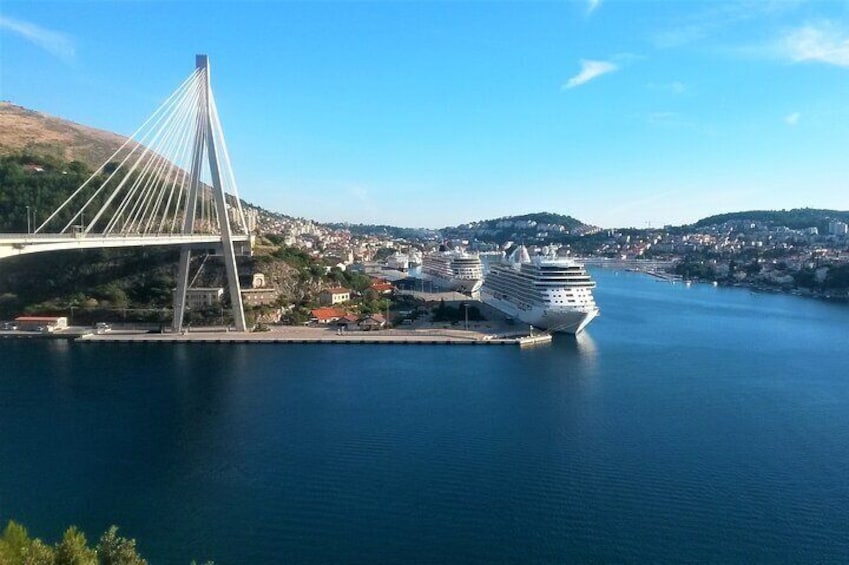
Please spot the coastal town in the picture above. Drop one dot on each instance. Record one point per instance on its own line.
(766, 255)
(356, 282)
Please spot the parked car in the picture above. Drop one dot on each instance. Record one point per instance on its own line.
(9, 326)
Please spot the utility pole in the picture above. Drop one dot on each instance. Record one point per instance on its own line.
(29, 227)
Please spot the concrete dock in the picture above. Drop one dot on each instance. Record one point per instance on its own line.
(292, 334)
(496, 329)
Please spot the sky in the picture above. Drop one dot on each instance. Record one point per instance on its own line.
(621, 113)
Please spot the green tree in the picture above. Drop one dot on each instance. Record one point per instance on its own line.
(17, 548)
(74, 550)
(358, 281)
(14, 544)
(116, 550)
(39, 553)
(805, 278)
(837, 277)
(383, 253)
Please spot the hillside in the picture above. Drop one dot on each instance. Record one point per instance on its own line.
(27, 131)
(530, 228)
(385, 230)
(797, 218)
(547, 218)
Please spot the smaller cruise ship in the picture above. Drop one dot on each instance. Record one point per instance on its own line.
(398, 262)
(414, 257)
(453, 270)
(548, 292)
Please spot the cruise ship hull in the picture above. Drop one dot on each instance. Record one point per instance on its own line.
(560, 320)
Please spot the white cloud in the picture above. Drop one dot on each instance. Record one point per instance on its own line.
(792, 119)
(593, 5)
(54, 42)
(709, 19)
(589, 71)
(823, 42)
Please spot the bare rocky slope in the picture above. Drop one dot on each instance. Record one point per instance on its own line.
(24, 130)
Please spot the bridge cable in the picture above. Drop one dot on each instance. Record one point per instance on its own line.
(130, 195)
(128, 141)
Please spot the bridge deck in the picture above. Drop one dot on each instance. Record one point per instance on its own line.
(19, 244)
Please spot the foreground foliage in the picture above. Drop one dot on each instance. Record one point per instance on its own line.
(17, 548)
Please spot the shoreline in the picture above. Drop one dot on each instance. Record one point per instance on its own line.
(800, 292)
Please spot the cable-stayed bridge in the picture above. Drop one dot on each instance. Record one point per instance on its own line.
(170, 184)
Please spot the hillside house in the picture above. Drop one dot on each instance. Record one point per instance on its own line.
(326, 316)
(258, 296)
(203, 297)
(372, 322)
(259, 293)
(348, 322)
(381, 286)
(331, 296)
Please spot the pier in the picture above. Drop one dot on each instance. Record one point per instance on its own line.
(291, 334)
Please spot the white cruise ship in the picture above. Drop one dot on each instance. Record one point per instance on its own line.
(414, 257)
(453, 270)
(398, 262)
(547, 292)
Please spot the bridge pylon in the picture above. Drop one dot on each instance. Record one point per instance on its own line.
(207, 131)
(170, 183)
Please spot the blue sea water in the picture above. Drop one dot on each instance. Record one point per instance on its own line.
(687, 424)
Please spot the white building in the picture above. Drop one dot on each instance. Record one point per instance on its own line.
(838, 228)
(331, 296)
(203, 297)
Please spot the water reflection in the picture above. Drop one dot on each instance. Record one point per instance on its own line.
(576, 352)
(60, 360)
(587, 348)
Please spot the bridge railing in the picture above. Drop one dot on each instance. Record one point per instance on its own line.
(45, 237)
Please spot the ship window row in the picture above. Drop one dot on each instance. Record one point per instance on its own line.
(513, 290)
(555, 270)
(563, 278)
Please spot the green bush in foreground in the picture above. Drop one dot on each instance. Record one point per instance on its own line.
(17, 548)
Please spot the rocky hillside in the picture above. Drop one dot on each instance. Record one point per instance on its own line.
(23, 130)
